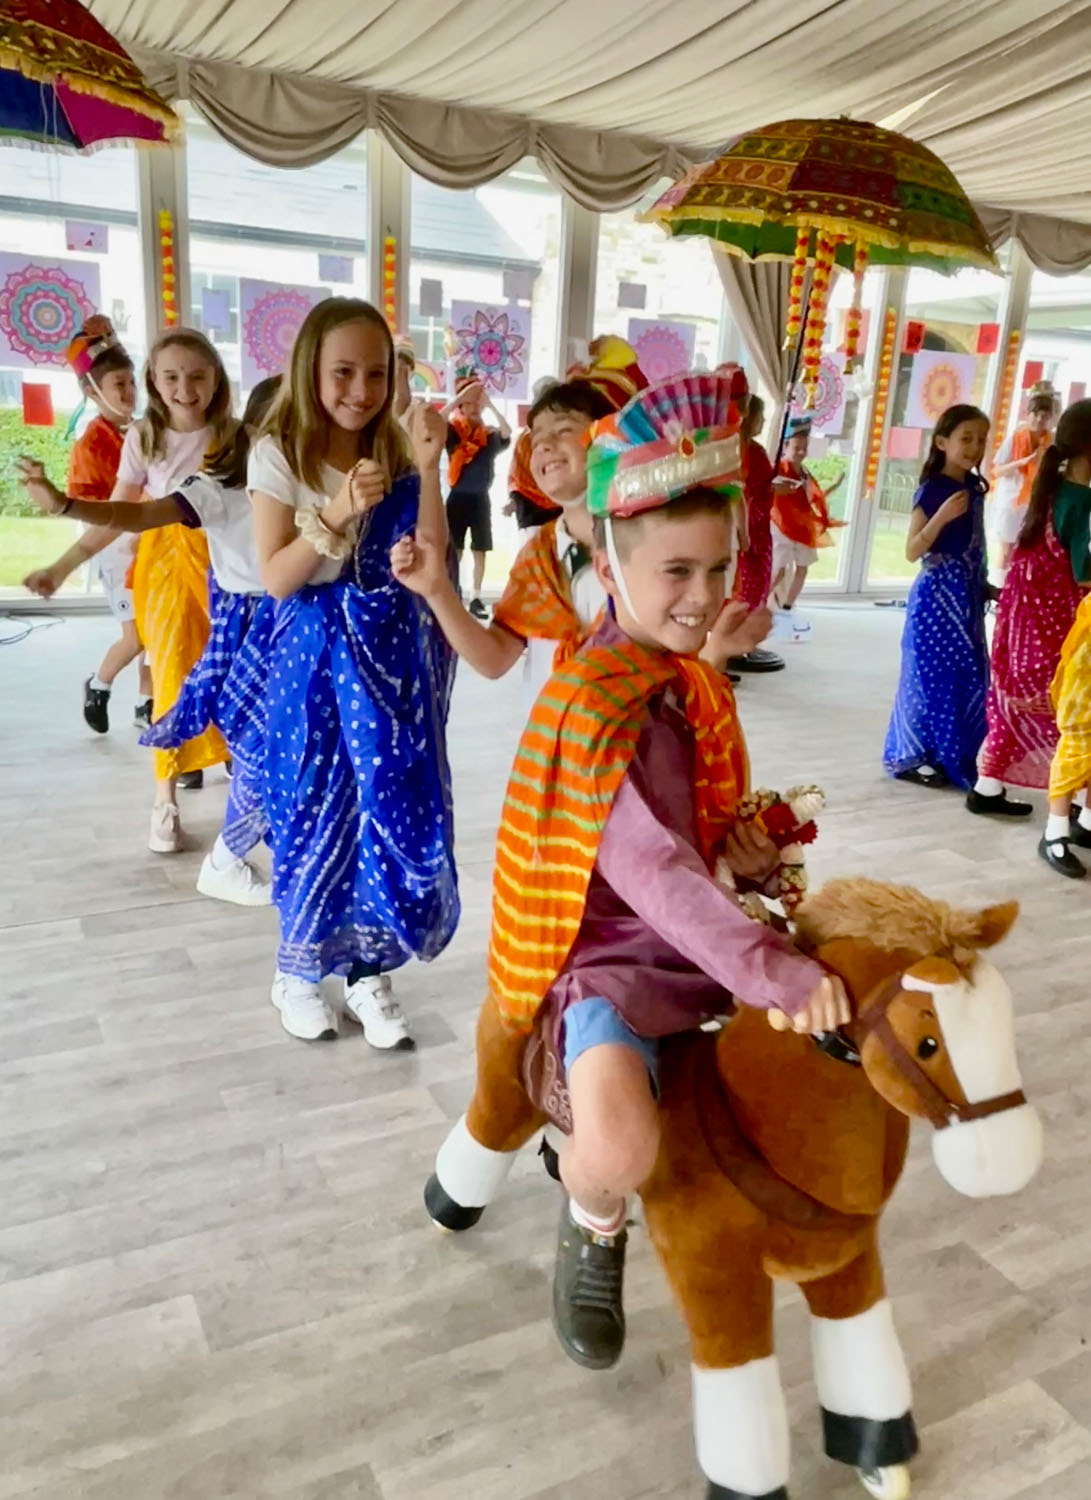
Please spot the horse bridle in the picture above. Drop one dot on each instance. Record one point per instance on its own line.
(871, 1020)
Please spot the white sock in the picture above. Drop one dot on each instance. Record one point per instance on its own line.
(221, 856)
(1056, 828)
(1080, 799)
(98, 686)
(1085, 818)
(593, 1224)
(988, 786)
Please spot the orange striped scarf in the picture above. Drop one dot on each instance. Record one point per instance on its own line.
(472, 437)
(537, 601)
(572, 759)
(521, 481)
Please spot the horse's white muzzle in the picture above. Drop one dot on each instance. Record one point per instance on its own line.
(991, 1157)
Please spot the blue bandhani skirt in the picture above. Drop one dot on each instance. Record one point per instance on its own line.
(357, 782)
(227, 688)
(938, 718)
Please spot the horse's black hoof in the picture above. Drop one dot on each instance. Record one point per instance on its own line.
(864, 1444)
(444, 1211)
(717, 1492)
(550, 1160)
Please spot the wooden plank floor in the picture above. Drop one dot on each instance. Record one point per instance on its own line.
(216, 1276)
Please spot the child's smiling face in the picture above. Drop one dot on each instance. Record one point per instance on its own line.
(558, 454)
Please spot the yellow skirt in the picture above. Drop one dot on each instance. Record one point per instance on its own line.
(1071, 694)
(170, 601)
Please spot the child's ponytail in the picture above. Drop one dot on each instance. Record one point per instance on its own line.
(1073, 440)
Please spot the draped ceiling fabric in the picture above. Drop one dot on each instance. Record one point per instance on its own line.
(611, 97)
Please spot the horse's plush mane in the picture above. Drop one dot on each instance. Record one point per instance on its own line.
(898, 917)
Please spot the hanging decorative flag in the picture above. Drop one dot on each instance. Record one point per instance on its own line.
(270, 316)
(939, 380)
(336, 268)
(494, 342)
(37, 405)
(1033, 371)
(79, 235)
(663, 346)
(988, 338)
(43, 303)
(904, 443)
(215, 310)
(913, 338)
(1076, 391)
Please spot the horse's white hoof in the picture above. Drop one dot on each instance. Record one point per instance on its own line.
(886, 1484)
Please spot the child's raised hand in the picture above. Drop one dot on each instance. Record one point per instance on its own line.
(738, 630)
(427, 435)
(46, 496)
(41, 582)
(827, 1009)
(954, 506)
(419, 564)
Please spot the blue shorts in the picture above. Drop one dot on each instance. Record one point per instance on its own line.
(594, 1022)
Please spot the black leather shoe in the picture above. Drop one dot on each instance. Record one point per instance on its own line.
(1079, 835)
(191, 781)
(937, 780)
(96, 703)
(1000, 806)
(587, 1282)
(1058, 856)
(757, 660)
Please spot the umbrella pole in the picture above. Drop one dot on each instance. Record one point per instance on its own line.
(792, 378)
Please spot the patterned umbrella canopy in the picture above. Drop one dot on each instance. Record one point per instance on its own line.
(65, 82)
(826, 193)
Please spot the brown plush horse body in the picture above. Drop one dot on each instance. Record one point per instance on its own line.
(776, 1159)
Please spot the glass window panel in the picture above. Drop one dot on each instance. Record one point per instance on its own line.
(251, 221)
(1058, 336)
(40, 193)
(952, 310)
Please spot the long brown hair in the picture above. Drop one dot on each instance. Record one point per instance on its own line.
(155, 423)
(299, 422)
(953, 417)
(1071, 440)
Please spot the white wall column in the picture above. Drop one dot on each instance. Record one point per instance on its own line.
(161, 184)
(579, 258)
(1013, 319)
(389, 194)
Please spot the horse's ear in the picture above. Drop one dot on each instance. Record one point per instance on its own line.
(987, 928)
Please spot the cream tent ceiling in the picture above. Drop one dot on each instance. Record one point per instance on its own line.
(609, 95)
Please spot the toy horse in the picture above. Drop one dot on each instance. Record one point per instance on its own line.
(777, 1156)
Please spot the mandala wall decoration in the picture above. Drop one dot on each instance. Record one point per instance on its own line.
(827, 414)
(270, 316)
(663, 347)
(43, 303)
(939, 380)
(495, 343)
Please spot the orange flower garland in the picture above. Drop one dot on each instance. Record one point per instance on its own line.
(390, 281)
(882, 396)
(816, 313)
(168, 294)
(854, 318)
(1007, 388)
(795, 289)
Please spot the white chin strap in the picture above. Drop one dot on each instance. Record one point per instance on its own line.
(93, 383)
(615, 568)
(573, 504)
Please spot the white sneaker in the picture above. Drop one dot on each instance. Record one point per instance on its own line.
(371, 1002)
(303, 1012)
(800, 624)
(239, 883)
(165, 836)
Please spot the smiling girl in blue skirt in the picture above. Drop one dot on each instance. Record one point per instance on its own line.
(938, 722)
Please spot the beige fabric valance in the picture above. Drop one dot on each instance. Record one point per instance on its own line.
(289, 121)
(1057, 246)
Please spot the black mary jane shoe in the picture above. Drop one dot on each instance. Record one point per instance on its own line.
(758, 660)
(191, 781)
(998, 806)
(933, 779)
(1058, 856)
(1078, 834)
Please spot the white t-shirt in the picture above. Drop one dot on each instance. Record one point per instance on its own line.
(228, 520)
(589, 600)
(1006, 487)
(268, 471)
(183, 455)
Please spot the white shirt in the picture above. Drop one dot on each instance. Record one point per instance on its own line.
(228, 520)
(1006, 487)
(588, 599)
(183, 454)
(267, 470)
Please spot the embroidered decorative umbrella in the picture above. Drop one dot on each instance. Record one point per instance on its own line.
(65, 82)
(828, 193)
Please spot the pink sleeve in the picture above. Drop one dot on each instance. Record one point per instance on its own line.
(663, 879)
(133, 468)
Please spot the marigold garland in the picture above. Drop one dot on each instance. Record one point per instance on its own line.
(168, 289)
(882, 395)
